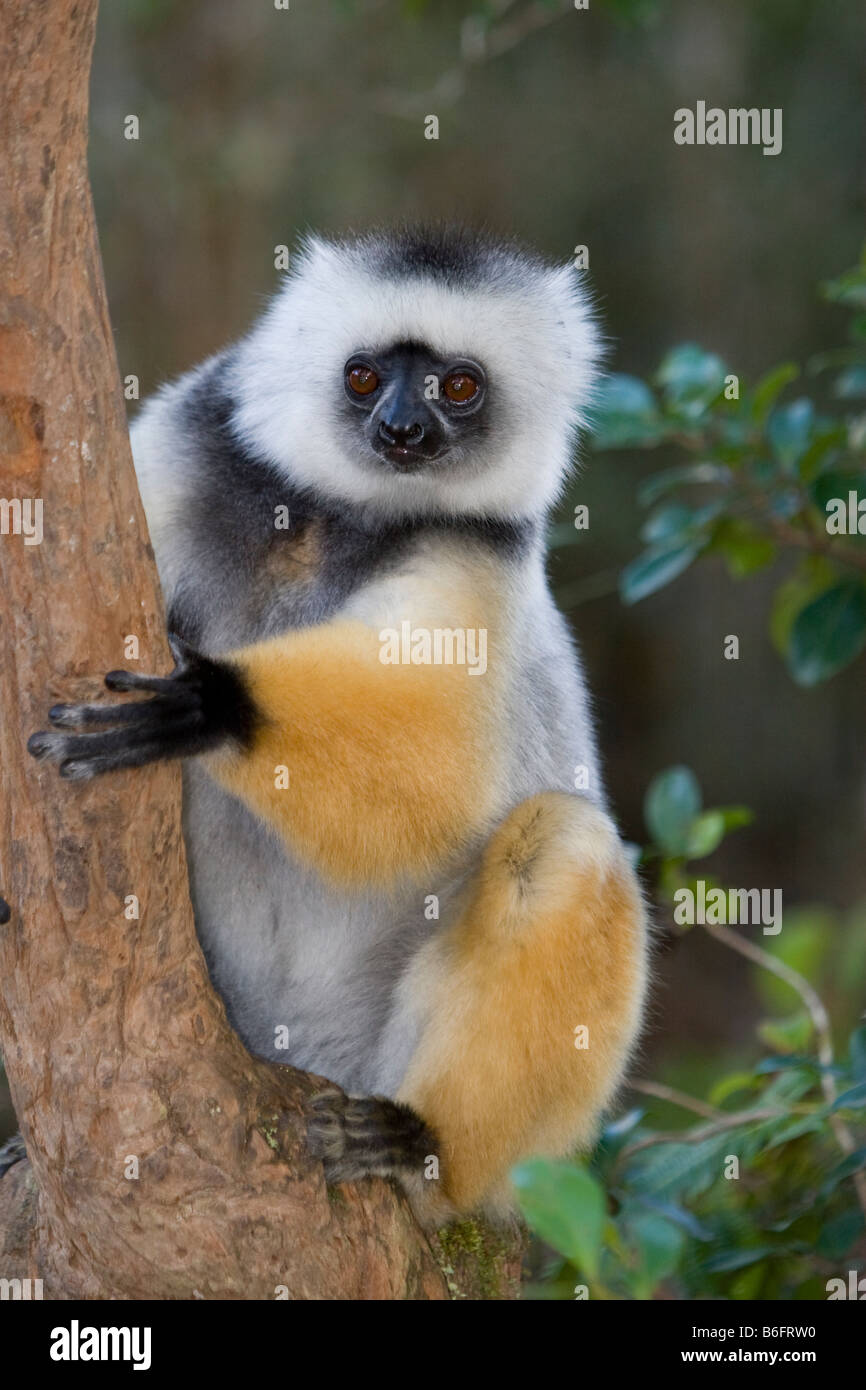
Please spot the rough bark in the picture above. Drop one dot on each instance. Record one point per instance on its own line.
(115, 1044)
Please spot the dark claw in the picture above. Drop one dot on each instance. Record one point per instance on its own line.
(72, 771)
(38, 745)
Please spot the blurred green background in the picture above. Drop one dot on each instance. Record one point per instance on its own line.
(258, 123)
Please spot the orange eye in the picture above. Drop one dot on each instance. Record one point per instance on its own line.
(460, 387)
(363, 380)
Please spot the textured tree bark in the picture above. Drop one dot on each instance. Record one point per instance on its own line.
(116, 1046)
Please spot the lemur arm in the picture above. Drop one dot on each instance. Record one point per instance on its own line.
(369, 771)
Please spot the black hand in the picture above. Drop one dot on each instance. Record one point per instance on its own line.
(202, 704)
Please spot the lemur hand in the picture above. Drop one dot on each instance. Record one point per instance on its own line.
(202, 704)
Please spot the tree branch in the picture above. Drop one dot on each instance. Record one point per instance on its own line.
(674, 1097)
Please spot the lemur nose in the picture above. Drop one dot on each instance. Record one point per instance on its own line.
(393, 433)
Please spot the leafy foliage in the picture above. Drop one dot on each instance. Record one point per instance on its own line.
(669, 1213)
(763, 1196)
(766, 477)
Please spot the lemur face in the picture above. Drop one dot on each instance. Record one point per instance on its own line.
(413, 409)
(421, 372)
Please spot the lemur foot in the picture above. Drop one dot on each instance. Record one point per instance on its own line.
(202, 704)
(368, 1136)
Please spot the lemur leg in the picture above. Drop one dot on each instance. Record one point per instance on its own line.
(551, 941)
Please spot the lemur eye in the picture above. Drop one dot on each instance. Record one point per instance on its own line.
(362, 380)
(460, 387)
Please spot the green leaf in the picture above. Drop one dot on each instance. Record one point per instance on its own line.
(796, 1067)
(854, 1099)
(839, 1234)
(850, 1165)
(671, 806)
(787, 1034)
(848, 289)
(656, 567)
(857, 1052)
(770, 387)
(850, 385)
(675, 522)
(795, 1129)
(856, 433)
(828, 633)
(659, 1246)
(698, 473)
(691, 378)
(834, 486)
(624, 413)
(730, 1085)
(679, 1216)
(789, 429)
(827, 444)
(669, 520)
(566, 1206)
(812, 577)
(727, 1260)
(624, 1124)
(746, 1286)
(705, 834)
(745, 548)
(680, 1169)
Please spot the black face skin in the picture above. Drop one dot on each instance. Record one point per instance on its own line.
(392, 405)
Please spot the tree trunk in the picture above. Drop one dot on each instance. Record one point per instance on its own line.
(118, 1052)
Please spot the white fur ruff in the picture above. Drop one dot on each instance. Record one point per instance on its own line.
(529, 326)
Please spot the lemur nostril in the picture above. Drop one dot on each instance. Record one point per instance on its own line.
(401, 434)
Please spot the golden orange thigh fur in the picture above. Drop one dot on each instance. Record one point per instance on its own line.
(552, 939)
